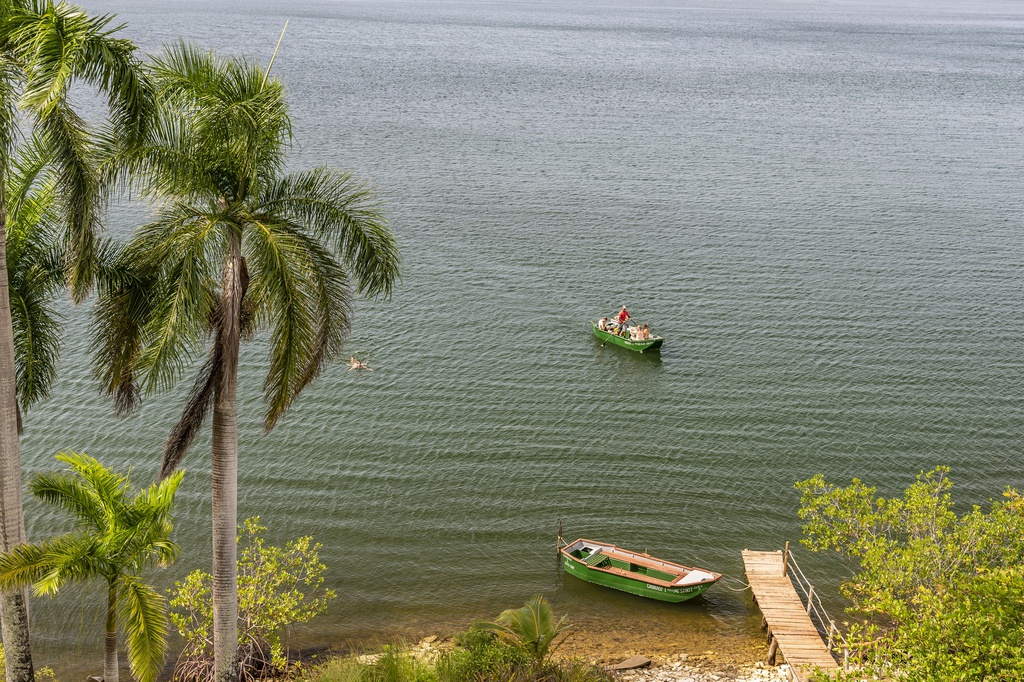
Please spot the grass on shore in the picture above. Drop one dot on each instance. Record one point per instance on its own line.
(478, 656)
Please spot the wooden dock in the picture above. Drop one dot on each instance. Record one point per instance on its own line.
(790, 628)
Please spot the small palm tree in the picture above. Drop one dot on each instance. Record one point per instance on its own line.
(532, 626)
(237, 247)
(119, 533)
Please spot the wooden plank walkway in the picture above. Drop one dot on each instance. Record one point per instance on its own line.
(788, 623)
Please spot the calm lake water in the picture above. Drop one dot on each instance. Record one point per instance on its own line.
(817, 204)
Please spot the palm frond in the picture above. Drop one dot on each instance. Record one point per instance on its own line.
(68, 492)
(30, 171)
(121, 314)
(10, 76)
(142, 614)
(108, 489)
(302, 289)
(67, 139)
(185, 247)
(237, 126)
(147, 328)
(35, 274)
(112, 65)
(197, 406)
(44, 38)
(48, 565)
(76, 558)
(532, 626)
(23, 565)
(343, 212)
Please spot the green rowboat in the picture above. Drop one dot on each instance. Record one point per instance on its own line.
(640, 574)
(640, 346)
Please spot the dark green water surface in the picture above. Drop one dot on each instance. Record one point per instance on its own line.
(818, 205)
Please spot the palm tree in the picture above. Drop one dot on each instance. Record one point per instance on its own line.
(119, 533)
(531, 627)
(44, 48)
(237, 247)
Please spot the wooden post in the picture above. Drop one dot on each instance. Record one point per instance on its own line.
(785, 561)
(773, 648)
(831, 633)
(810, 597)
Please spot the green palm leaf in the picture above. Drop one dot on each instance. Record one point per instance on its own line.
(142, 613)
(346, 215)
(532, 626)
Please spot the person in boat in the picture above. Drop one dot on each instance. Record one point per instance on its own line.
(635, 334)
(622, 316)
(602, 324)
(645, 332)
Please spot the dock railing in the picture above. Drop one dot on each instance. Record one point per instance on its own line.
(826, 625)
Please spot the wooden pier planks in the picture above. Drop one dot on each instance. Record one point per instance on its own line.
(785, 614)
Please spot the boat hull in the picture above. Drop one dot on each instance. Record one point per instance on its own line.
(578, 561)
(638, 346)
(669, 594)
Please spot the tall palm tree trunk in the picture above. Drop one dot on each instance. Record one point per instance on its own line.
(225, 473)
(110, 671)
(13, 604)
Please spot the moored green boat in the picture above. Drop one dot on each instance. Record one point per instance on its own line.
(640, 346)
(633, 572)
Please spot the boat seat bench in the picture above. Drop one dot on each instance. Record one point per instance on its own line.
(635, 576)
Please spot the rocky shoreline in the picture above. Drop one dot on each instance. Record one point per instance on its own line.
(684, 668)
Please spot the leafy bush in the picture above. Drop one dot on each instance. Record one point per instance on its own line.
(937, 597)
(481, 655)
(276, 588)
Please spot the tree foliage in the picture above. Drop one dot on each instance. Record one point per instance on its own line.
(935, 595)
(310, 240)
(119, 532)
(277, 586)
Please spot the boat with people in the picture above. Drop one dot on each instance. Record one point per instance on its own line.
(634, 572)
(621, 331)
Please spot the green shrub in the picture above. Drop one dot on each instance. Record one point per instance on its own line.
(277, 586)
(482, 655)
(935, 596)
